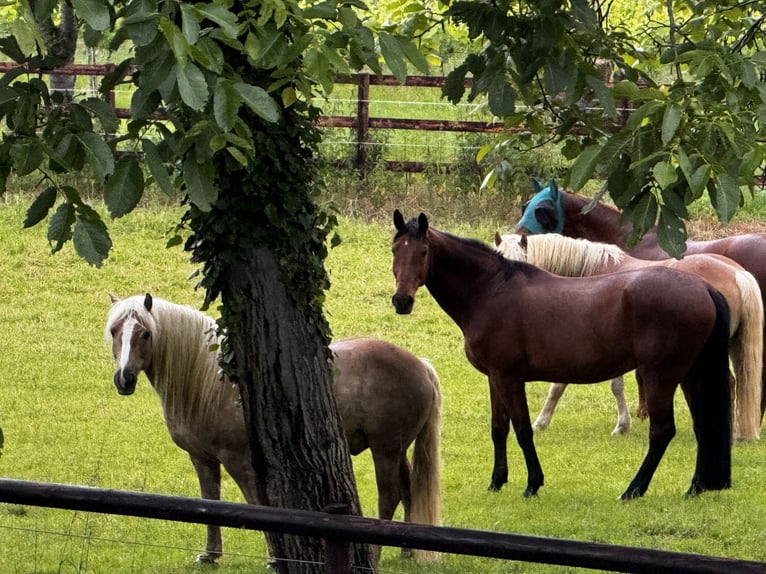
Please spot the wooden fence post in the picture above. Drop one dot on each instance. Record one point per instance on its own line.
(362, 120)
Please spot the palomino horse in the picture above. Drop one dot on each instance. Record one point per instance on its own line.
(672, 327)
(579, 258)
(574, 215)
(387, 399)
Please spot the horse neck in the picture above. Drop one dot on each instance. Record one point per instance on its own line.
(184, 373)
(572, 257)
(602, 223)
(460, 272)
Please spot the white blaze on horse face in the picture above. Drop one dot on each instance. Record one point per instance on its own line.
(127, 336)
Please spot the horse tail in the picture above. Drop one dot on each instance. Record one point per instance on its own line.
(709, 400)
(746, 349)
(426, 466)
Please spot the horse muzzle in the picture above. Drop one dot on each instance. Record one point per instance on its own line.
(125, 382)
(403, 303)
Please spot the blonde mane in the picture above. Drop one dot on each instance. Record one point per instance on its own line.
(186, 375)
(561, 255)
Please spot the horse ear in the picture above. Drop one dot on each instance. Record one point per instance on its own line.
(523, 241)
(398, 219)
(148, 302)
(554, 189)
(114, 299)
(498, 239)
(537, 187)
(423, 222)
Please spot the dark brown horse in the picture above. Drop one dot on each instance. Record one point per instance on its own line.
(387, 399)
(521, 324)
(551, 210)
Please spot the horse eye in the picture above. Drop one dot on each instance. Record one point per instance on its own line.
(113, 331)
(145, 335)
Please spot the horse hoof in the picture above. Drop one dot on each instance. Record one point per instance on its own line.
(632, 494)
(207, 558)
(619, 429)
(493, 487)
(530, 492)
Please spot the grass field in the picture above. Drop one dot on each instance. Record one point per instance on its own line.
(64, 422)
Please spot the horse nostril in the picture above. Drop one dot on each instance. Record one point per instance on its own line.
(125, 382)
(403, 303)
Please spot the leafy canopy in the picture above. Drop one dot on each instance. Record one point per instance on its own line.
(694, 72)
(189, 101)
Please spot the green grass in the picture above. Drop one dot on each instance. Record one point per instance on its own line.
(64, 422)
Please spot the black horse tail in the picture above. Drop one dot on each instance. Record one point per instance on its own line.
(710, 402)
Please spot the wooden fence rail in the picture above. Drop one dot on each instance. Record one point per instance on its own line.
(337, 529)
(361, 122)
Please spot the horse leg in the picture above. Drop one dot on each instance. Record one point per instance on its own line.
(641, 411)
(209, 475)
(390, 481)
(555, 391)
(499, 432)
(623, 414)
(514, 397)
(662, 429)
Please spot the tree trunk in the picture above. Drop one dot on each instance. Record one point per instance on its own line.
(299, 452)
(263, 246)
(61, 43)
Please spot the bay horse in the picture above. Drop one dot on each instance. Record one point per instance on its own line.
(670, 326)
(387, 399)
(572, 257)
(573, 215)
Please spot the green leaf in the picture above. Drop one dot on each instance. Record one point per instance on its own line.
(94, 12)
(199, 183)
(226, 101)
(143, 104)
(60, 226)
(124, 187)
(26, 157)
(501, 97)
(643, 215)
(393, 56)
(91, 240)
(189, 24)
(220, 15)
(671, 119)
(671, 233)
(413, 54)
(40, 207)
(104, 112)
(454, 84)
(157, 167)
(258, 100)
(699, 179)
(664, 173)
(727, 197)
(192, 86)
(583, 167)
(176, 41)
(97, 153)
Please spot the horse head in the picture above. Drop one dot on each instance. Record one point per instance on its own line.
(130, 327)
(411, 260)
(544, 213)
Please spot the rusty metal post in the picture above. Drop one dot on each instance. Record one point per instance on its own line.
(362, 120)
(337, 553)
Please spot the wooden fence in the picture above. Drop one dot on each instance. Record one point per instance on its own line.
(338, 531)
(361, 121)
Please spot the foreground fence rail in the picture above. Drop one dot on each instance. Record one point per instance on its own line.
(337, 529)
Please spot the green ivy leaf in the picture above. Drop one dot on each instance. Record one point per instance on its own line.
(258, 100)
(124, 187)
(40, 207)
(97, 153)
(192, 86)
(91, 240)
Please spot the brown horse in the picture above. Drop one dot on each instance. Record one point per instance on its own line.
(550, 210)
(672, 327)
(579, 258)
(387, 399)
